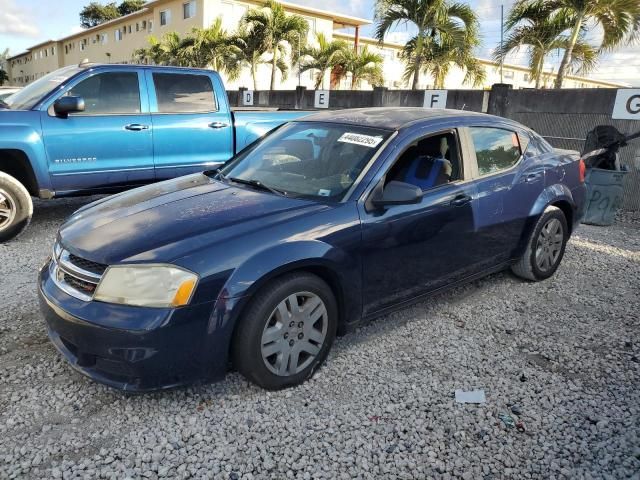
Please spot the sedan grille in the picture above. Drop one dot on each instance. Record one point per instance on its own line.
(76, 276)
(93, 267)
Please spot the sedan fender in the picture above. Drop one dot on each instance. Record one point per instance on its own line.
(558, 194)
(336, 267)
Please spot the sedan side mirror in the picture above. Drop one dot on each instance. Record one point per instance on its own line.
(398, 193)
(66, 105)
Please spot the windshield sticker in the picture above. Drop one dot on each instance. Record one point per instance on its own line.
(324, 193)
(359, 139)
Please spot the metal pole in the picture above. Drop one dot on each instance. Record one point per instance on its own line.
(299, 41)
(501, 39)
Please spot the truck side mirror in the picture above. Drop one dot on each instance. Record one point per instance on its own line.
(66, 105)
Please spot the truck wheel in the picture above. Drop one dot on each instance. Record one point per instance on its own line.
(286, 331)
(16, 207)
(545, 247)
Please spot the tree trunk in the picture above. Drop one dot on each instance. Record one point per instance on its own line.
(274, 60)
(539, 72)
(568, 53)
(354, 81)
(255, 76)
(417, 61)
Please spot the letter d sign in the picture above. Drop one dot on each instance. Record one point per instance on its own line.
(627, 106)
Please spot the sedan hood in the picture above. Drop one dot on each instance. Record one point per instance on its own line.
(168, 220)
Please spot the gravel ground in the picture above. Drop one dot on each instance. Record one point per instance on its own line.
(561, 356)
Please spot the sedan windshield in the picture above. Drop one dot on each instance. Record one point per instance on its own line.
(29, 96)
(308, 159)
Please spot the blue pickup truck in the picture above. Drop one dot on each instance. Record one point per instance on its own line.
(92, 128)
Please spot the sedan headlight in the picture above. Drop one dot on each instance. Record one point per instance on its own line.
(147, 285)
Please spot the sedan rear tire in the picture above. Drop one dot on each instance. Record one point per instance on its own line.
(545, 247)
(286, 332)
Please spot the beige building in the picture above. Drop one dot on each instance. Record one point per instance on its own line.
(518, 76)
(116, 41)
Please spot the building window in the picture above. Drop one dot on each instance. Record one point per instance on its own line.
(508, 74)
(53, 51)
(104, 39)
(137, 27)
(150, 26)
(527, 77)
(118, 34)
(165, 17)
(129, 29)
(144, 25)
(189, 10)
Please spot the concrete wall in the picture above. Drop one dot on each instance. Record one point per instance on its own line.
(565, 117)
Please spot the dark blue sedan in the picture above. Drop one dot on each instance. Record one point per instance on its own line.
(324, 223)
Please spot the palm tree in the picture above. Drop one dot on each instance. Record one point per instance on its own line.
(441, 25)
(323, 58)
(363, 65)
(214, 47)
(618, 19)
(438, 59)
(248, 52)
(170, 50)
(541, 35)
(277, 30)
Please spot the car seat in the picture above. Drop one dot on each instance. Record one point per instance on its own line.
(426, 171)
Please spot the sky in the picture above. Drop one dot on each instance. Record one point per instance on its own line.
(24, 23)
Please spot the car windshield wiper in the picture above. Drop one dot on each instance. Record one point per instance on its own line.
(258, 184)
(218, 173)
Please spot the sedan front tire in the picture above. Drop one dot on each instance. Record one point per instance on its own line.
(286, 332)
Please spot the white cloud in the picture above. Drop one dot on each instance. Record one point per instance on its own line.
(16, 21)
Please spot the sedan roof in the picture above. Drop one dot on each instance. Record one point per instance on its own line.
(391, 118)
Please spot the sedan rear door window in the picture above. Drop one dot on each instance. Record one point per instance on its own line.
(496, 149)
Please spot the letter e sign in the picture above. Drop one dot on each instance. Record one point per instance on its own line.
(627, 106)
(435, 99)
(321, 99)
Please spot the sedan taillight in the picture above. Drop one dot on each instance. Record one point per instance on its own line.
(583, 170)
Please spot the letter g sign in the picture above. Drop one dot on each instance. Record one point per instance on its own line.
(633, 104)
(627, 106)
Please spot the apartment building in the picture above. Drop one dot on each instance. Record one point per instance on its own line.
(117, 40)
(518, 76)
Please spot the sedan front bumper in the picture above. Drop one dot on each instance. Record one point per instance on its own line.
(131, 348)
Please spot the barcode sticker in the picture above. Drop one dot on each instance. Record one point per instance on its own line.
(359, 139)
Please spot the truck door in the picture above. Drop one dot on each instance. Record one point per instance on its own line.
(109, 144)
(192, 126)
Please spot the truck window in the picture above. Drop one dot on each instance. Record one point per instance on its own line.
(184, 93)
(109, 93)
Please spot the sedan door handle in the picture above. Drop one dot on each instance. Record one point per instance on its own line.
(532, 177)
(460, 200)
(218, 125)
(136, 127)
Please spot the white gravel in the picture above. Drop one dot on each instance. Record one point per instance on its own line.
(562, 354)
